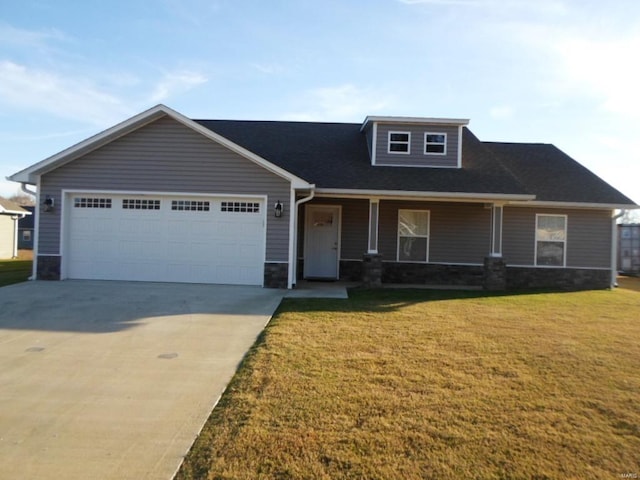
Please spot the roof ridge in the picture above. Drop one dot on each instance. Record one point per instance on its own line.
(307, 122)
(490, 142)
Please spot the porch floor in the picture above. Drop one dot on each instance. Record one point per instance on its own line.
(319, 289)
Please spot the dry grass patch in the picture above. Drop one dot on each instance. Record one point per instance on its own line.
(417, 384)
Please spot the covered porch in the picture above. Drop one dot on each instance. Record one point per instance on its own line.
(392, 240)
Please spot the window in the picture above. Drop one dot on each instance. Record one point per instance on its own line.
(551, 240)
(140, 204)
(399, 142)
(80, 202)
(26, 235)
(242, 207)
(190, 205)
(413, 235)
(435, 143)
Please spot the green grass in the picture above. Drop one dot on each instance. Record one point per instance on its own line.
(418, 384)
(14, 271)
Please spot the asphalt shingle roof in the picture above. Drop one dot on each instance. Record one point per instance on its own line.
(553, 175)
(10, 207)
(335, 156)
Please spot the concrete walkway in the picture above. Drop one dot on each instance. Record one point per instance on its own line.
(114, 380)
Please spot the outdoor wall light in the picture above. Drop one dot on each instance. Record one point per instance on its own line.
(48, 203)
(278, 209)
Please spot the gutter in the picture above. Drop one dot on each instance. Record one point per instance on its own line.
(614, 248)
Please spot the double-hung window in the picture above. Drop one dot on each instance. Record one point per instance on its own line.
(413, 235)
(435, 143)
(551, 240)
(399, 142)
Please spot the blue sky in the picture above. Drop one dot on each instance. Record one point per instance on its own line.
(555, 71)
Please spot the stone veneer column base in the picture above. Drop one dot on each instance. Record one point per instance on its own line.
(48, 267)
(495, 274)
(276, 275)
(372, 270)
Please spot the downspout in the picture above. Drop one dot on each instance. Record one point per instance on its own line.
(294, 263)
(614, 248)
(23, 187)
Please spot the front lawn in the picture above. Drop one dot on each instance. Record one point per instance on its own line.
(14, 271)
(418, 384)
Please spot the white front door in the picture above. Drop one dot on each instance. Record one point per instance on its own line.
(322, 241)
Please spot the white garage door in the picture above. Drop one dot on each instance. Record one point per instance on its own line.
(165, 238)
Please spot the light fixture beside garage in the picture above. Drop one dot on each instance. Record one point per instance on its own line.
(278, 209)
(48, 203)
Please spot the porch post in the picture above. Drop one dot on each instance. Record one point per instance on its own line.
(372, 260)
(496, 230)
(495, 268)
(374, 207)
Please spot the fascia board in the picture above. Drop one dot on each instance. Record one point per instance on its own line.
(447, 196)
(413, 121)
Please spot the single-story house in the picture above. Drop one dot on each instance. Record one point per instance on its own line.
(161, 197)
(26, 229)
(10, 214)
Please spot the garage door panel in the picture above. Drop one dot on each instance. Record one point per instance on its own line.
(166, 239)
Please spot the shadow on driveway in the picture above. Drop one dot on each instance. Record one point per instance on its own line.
(103, 306)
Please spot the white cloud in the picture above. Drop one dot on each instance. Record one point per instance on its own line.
(605, 69)
(584, 61)
(197, 13)
(174, 83)
(7, 188)
(546, 6)
(65, 97)
(268, 68)
(10, 35)
(501, 112)
(341, 103)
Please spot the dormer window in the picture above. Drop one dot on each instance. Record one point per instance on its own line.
(399, 142)
(435, 143)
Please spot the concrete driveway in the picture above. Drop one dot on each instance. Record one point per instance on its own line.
(114, 380)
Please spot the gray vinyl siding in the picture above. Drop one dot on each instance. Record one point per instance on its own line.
(166, 156)
(417, 157)
(588, 236)
(458, 232)
(354, 227)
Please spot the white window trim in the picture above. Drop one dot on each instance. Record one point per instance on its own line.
(408, 142)
(566, 235)
(427, 236)
(444, 153)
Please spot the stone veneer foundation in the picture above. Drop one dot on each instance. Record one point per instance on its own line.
(48, 267)
(276, 275)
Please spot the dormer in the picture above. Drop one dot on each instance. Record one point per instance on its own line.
(414, 141)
